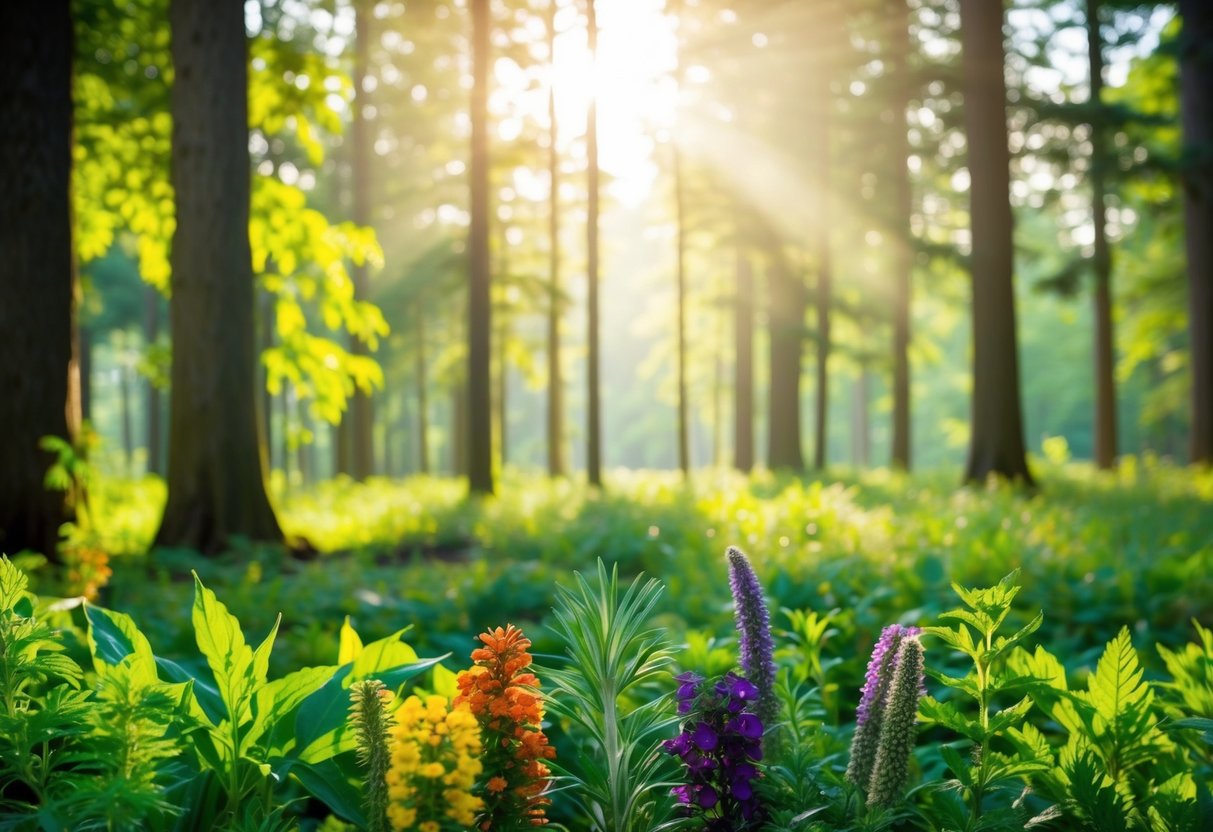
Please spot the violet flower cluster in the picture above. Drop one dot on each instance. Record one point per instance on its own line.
(757, 648)
(886, 718)
(720, 745)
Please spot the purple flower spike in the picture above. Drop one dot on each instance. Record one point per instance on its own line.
(705, 737)
(754, 633)
(708, 797)
(746, 725)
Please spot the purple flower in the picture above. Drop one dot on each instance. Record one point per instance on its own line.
(705, 736)
(884, 657)
(708, 797)
(746, 725)
(757, 648)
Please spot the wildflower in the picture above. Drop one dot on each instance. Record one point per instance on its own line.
(502, 696)
(754, 634)
(435, 763)
(369, 701)
(719, 744)
(885, 672)
(891, 766)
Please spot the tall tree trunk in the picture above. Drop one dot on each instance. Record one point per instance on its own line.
(821, 165)
(1196, 93)
(459, 430)
(861, 435)
(743, 369)
(216, 486)
(903, 256)
(785, 316)
(343, 445)
(593, 405)
(38, 286)
(151, 334)
(124, 403)
(479, 391)
(684, 447)
(556, 466)
(718, 391)
(1105, 382)
(824, 300)
(996, 444)
(266, 325)
(423, 424)
(362, 418)
(503, 333)
(303, 450)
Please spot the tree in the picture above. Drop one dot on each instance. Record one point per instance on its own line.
(996, 443)
(362, 424)
(479, 382)
(1105, 360)
(743, 370)
(785, 322)
(1196, 106)
(555, 413)
(903, 257)
(594, 427)
(216, 469)
(38, 286)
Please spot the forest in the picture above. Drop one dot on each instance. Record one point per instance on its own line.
(609, 415)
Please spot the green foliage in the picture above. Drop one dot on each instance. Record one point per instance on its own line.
(605, 695)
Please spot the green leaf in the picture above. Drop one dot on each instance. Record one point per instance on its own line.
(331, 786)
(946, 714)
(959, 766)
(349, 644)
(12, 584)
(223, 646)
(113, 637)
(276, 702)
(383, 654)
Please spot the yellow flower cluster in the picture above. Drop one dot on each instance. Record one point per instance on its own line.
(435, 763)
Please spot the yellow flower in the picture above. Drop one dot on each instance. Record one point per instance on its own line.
(435, 762)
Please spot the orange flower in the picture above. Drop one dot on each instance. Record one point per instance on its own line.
(505, 701)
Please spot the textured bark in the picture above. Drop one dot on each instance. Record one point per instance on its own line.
(216, 470)
(151, 332)
(1196, 93)
(38, 287)
(362, 417)
(684, 445)
(555, 414)
(85, 342)
(996, 443)
(593, 405)
(479, 381)
(1105, 381)
(903, 258)
(743, 368)
(785, 316)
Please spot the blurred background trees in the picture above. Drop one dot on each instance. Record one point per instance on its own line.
(570, 237)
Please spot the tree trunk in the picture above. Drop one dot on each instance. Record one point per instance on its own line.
(38, 286)
(362, 418)
(1105, 382)
(479, 381)
(718, 391)
(1196, 93)
(266, 326)
(743, 371)
(151, 334)
(124, 402)
(820, 161)
(861, 436)
(996, 444)
(85, 341)
(684, 449)
(786, 308)
(824, 299)
(216, 485)
(594, 428)
(903, 256)
(423, 425)
(503, 333)
(556, 466)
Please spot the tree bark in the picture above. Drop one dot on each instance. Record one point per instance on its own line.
(785, 316)
(743, 371)
(85, 341)
(38, 286)
(479, 381)
(362, 418)
(996, 443)
(593, 405)
(216, 486)
(861, 437)
(151, 334)
(1105, 381)
(1196, 95)
(903, 257)
(555, 414)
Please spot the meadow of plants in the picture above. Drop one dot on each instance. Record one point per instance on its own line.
(888, 652)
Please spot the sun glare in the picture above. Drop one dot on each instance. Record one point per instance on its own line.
(633, 81)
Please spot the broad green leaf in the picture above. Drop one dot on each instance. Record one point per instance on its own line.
(205, 694)
(261, 656)
(326, 781)
(275, 703)
(13, 583)
(223, 646)
(380, 655)
(958, 765)
(113, 637)
(444, 682)
(946, 714)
